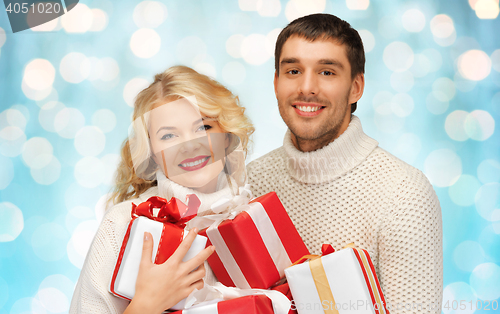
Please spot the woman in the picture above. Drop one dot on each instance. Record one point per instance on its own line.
(189, 137)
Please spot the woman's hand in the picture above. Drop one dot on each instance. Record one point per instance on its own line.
(159, 287)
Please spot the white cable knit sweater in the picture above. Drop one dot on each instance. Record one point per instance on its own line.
(353, 191)
(91, 293)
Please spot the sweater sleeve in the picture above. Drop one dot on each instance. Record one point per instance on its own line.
(410, 250)
(91, 293)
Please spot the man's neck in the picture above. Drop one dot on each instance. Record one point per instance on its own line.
(310, 145)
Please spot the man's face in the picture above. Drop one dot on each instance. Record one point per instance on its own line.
(314, 90)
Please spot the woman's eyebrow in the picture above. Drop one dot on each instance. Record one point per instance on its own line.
(165, 128)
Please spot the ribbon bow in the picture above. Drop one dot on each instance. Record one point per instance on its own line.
(225, 208)
(325, 250)
(173, 211)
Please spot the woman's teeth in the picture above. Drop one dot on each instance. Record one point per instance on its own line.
(194, 163)
(308, 108)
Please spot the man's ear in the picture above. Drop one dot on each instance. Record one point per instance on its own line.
(357, 88)
(276, 83)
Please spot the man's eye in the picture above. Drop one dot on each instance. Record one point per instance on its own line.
(167, 136)
(327, 73)
(294, 72)
(204, 127)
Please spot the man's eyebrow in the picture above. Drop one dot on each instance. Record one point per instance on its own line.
(289, 60)
(333, 62)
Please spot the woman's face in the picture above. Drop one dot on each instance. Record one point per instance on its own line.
(188, 147)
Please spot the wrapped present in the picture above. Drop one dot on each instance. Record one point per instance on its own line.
(252, 304)
(167, 229)
(253, 249)
(285, 289)
(341, 282)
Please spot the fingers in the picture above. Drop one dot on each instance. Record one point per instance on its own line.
(196, 275)
(185, 245)
(200, 258)
(147, 249)
(198, 284)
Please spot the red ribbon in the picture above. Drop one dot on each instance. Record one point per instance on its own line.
(173, 211)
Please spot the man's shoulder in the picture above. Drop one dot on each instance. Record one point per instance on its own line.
(397, 170)
(274, 158)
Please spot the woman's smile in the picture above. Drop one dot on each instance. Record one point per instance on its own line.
(192, 164)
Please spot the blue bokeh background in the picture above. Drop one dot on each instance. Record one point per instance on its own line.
(432, 98)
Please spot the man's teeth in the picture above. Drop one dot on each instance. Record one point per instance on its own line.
(308, 108)
(194, 163)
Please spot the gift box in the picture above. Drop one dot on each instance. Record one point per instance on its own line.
(285, 289)
(252, 304)
(167, 230)
(253, 249)
(344, 281)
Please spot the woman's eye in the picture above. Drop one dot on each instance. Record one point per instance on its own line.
(167, 136)
(204, 127)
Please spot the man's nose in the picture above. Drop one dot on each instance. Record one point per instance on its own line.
(308, 84)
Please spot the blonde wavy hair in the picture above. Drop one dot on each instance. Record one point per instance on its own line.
(213, 100)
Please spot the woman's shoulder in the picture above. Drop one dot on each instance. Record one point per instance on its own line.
(122, 210)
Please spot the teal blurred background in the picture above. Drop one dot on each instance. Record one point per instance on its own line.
(432, 98)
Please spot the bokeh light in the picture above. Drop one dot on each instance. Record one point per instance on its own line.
(233, 73)
(485, 280)
(99, 20)
(474, 65)
(398, 56)
(402, 105)
(149, 14)
(488, 200)
(368, 40)
(487, 9)
(402, 81)
(443, 167)
(68, 121)
(6, 172)
(80, 242)
(89, 172)
(233, 45)
(488, 171)
(298, 8)
(145, 43)
(132, 88)
(436, 106)
(90, 141)
(463, 192)
(47, 174)
(75, 67)
(253, 49)
(443, 30)
(77, 20)
(413, 20)
(357, 4)
(104, 119)
(3, 37)
(49, 241)
(455, 125)
(12, 140)
(467, 255)
(39, 74)
(37, 152)
(458, 291)
(48, 113)
(444, 89)
(11, 222)
(479, 125)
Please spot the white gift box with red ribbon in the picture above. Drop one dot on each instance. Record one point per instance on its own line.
(341, 282)
(167, 231)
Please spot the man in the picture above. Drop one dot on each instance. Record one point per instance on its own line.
(337, 185)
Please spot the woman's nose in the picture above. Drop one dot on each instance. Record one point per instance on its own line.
(191, 145)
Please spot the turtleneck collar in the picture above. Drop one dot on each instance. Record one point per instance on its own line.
(168, 189)
(333, 160)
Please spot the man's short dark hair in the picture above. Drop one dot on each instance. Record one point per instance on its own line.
(325, 26)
